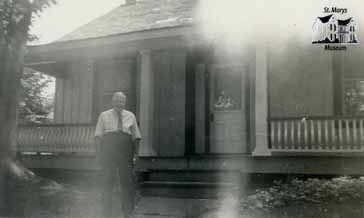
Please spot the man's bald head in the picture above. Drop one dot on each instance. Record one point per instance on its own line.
(118, 101)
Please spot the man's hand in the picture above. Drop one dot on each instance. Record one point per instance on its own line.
(135, 159)
(136, 151)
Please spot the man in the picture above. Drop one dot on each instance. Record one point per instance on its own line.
(117, 138)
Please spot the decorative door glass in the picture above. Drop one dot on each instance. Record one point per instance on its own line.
(227, 90)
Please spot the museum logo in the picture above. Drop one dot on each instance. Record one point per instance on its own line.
(335, 30)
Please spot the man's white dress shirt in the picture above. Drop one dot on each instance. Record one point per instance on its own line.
(108, 122)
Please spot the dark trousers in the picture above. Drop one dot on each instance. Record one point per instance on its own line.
(116, 159)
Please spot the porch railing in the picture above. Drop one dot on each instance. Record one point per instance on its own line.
(56, 138)
(337, 134)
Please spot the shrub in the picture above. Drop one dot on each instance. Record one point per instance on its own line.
(317, 191)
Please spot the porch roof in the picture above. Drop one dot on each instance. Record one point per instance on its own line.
(143, 15)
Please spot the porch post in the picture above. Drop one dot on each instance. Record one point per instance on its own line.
(261, 102)
(146, 103)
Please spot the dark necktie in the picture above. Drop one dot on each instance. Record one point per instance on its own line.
(120, 122)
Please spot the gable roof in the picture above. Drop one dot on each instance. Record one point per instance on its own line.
(344, 22)
(143, 15)
(325, 19)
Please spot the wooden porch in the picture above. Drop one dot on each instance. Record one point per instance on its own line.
(340, 134)
(313, 145)
(310, 165)
(314, 134)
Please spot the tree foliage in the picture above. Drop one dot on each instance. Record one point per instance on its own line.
(35, 105)
(16, 16)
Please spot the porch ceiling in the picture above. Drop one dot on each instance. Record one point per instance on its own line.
(51, 68)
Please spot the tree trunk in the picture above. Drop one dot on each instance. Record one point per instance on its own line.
(12, 51)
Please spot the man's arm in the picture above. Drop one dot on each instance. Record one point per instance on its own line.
(136, 150)
(135, 132)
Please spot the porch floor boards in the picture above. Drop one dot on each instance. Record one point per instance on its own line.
(290, 164)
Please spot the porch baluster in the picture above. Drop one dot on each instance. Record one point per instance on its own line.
(340, 143)
(56, 138)
(81, 139)
(312, 126)
(348, 140)
(279, 134)
(78, 137)
(36, 142)
(299, 145)
(355, 134)
(272, 133)
(46, 136)
(326, 142)
(333, 142)
(332, 134)
(319, 143)
(305, 134)
(293, 143)
(361, 141)
(285, 144)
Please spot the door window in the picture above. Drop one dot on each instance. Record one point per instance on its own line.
(227, 92)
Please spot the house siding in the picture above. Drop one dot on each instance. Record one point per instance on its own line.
(113, 75)
(353, 65)
(74, 94)
(300, 81)
(169, 68)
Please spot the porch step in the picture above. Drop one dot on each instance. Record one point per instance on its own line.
(189, 184)
(195, 176)
(171, 189)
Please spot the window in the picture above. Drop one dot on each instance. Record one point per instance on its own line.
(227, 89)
(353, 96)
(334, 27)
(330, 26)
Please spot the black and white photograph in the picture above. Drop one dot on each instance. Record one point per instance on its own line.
(181, 109)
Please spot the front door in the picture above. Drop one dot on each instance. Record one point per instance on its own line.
(228, 119)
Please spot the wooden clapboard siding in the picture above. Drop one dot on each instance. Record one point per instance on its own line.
(352, 60)
(200, 108)
(170, 89)
(300, 81)
(85, 90)
(83, 109)
(90, 90)
(75, 85)
(160, 66)
(74, 94)
(67, 99)
(59, 106)
(115, 75)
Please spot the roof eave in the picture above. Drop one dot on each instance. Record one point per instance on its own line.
(113, 39)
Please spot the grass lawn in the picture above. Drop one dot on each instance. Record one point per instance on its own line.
(342, 197)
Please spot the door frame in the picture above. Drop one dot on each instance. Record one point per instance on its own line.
(246, 89)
